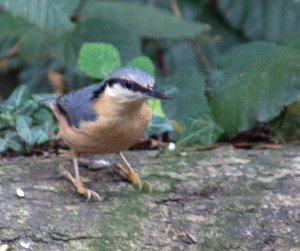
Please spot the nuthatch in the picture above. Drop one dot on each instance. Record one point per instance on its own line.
(106, 118)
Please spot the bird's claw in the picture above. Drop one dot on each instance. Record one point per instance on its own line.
(79, 186)
(90, 194)
(133, 178)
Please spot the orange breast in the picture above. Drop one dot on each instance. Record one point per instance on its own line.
(116, 129)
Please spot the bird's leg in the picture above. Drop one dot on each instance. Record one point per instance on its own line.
(131, 175)
(77, 183)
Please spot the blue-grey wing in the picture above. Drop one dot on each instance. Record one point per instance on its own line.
(76, 105)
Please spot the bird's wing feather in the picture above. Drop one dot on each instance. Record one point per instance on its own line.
(76, 105)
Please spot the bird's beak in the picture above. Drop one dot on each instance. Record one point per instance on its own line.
(157, 94)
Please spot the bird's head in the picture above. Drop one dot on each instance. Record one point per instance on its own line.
(131, 85)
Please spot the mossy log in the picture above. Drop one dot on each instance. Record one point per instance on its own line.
(223, 199)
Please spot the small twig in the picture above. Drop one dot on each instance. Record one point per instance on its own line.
(201, 56)
(12, 52)
(175, 8)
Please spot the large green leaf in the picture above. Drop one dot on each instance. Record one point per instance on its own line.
(51, 16)
(272, 20)
(98, 30)
(187, 96)
(259, 80)
(144, 20)
(11, 26)
(181, 56)
(98, 60)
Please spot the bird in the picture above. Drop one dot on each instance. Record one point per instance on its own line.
(105, 118)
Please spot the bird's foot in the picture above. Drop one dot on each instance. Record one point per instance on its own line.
(133, 178)
(80, 188)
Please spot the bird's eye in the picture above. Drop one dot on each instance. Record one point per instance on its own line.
(128, 85)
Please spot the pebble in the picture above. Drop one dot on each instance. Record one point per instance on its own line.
(4, 247)
(20, 193)
(25, 245)
(171, 146)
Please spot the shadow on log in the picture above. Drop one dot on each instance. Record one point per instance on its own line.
(225, 199)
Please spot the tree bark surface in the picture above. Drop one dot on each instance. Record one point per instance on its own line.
(223, 199)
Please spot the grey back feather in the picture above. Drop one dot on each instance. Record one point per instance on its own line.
(76, 105)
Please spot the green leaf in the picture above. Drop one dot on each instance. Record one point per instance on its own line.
(158, 126)
(36, 45)
(262, 19)
(181, 56)
(144, 63)
(201, 130)
(28, 107)
(145, 20)
(156, 107)
(42, 96)
(98, 30)
(98, 60)
(12, 27)
(3, 123)
(18, 97)
(259, 80)
(50, 16)
(3, 145)
(42, 114)
(7, 117)
(23, 124)
(39, 135)
(10, 141)
(187, 92)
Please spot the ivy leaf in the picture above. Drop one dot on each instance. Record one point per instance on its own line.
(259, 80)
(23, 124)
(201, 130)
(28, 107)
(42, 114)
(3, 145)
(144, 63)
(17, 98)
(158, 126)
(3, 123)
(42, 96)
(98, 60)
(39, 135)
(10, 141)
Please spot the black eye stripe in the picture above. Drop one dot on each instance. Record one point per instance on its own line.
(131, 85)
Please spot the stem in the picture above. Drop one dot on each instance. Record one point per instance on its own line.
(201, 56)
(175, 8)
